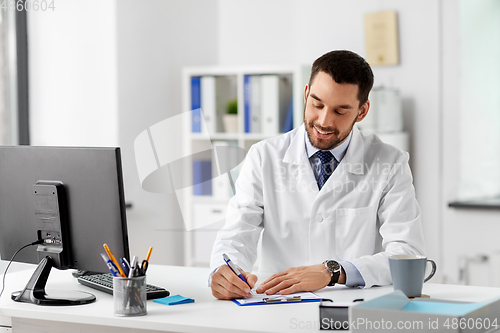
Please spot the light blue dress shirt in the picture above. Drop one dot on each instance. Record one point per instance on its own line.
(353, 277)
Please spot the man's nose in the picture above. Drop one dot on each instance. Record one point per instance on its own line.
(325, 118)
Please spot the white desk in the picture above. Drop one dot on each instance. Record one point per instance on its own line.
(205, 315)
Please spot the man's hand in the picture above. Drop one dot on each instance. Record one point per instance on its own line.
(227, 285)
(298, 279)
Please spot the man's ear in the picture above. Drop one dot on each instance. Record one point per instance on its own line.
(306, 92)
(363, 111)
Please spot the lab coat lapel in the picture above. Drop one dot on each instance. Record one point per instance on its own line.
(354, 161)
(298, 163)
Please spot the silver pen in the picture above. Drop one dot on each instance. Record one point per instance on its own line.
(236, 271)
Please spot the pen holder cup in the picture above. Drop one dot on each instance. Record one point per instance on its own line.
(129, 295)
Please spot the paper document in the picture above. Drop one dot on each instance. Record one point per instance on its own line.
(262, 299)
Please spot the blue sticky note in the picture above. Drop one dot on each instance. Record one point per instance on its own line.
(443, 308)
(174, 300)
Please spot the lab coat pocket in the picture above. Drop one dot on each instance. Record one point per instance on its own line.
(355, 232)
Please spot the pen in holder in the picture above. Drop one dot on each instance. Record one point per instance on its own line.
(129, 295)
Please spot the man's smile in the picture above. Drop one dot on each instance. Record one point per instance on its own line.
(322, 134)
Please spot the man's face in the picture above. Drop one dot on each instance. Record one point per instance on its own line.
(331, 110)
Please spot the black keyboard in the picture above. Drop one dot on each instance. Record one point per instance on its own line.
(104, 282)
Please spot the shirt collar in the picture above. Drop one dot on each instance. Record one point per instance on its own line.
(337, 152)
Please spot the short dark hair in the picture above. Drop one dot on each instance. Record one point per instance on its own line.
(345, 67)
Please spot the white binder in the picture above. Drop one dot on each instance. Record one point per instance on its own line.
(208, 103)
(255, 104)
(270, 104)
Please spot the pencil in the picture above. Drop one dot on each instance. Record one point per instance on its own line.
(149, 253)
(112, 257)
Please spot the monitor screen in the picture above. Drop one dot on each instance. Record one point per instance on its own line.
(91, 200)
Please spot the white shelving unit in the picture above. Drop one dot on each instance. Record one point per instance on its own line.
(208, 210)
(385, 118)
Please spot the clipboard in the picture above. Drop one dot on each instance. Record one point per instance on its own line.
(262, 299)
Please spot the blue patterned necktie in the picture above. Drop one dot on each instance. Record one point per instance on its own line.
(327, 166)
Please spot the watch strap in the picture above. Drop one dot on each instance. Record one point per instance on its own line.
(335, 279)
(335, 273)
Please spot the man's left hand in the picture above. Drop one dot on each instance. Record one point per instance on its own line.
(298, 279)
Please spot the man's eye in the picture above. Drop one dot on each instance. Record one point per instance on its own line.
(318, 106)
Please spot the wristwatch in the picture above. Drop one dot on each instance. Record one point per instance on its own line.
(334, 268)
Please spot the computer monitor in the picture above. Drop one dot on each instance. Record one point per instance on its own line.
(69, 199)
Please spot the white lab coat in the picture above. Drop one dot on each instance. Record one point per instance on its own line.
(365, 212)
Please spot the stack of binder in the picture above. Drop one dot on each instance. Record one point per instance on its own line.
(268, 104)
(209, 97)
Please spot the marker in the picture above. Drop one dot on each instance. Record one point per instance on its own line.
(112, 257)
(125, 266)
(133, 263)
(110, 264)
(236, 271)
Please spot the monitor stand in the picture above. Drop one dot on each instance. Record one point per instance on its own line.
(34, 292)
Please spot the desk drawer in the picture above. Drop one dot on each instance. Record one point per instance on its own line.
(5, 322)
(209, 216)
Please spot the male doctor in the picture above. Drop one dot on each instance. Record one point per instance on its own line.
(332, 204)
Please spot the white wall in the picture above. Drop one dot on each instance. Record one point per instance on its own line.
(300, 31)
(101, 72)
(155, 40)
(72, 74)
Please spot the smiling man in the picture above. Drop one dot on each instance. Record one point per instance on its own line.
(331, 203)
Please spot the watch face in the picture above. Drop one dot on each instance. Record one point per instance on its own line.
(333, 266)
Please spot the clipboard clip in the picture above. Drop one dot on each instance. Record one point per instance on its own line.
(282, 299)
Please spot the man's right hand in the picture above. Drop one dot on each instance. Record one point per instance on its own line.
(227, 285)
